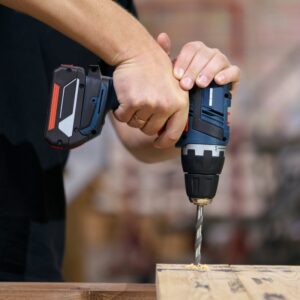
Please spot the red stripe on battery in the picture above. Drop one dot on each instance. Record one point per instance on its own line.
(53, 109)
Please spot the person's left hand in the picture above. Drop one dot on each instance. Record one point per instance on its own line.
(199, 64)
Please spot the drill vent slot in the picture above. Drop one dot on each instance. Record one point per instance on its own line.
(101, 99)
(211, 112)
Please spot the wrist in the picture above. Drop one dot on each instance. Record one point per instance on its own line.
(137, 50)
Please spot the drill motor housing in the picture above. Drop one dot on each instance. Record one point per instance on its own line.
(204, 142)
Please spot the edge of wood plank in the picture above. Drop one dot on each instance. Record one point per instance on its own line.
(105, 287)
(227, 268)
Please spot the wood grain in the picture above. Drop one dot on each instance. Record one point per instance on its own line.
(76, 291)
(179, 282)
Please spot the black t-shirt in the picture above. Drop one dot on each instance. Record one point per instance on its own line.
(32, 204)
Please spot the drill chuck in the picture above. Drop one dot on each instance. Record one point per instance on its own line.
(202, 165)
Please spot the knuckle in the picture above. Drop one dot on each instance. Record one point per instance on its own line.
(138, 102)
(188, 46)
(238, 72)
(193, 46)
(216, 51)
(150, 104)
(132, 101)
(164, 107)
(207, 53)
(223, 57)
(198, 45)
(236, 69)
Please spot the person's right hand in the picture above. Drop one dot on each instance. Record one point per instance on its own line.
(150, 97)
(198, 64)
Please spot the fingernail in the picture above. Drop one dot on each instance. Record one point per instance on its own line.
(187, 82)
(203, 80)
(179, 72)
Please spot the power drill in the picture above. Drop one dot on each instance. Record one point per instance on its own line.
(80, 103)
(203, 147)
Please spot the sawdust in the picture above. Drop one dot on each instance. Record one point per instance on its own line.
(197, 267)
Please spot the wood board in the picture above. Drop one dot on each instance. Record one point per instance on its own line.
(181, 282)
(76, 291)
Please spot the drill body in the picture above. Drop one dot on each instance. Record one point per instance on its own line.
(204, 141)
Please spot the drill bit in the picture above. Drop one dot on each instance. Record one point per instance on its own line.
(198, 240)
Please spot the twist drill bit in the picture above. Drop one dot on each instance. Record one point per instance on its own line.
(198, 240)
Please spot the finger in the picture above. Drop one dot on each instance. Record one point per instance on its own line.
(230, 74)
(218, 63)
(140, 118)
(174, 128)
(165, 42)
(124, 112)
(199, 62)
(154, 124)
(184, 58)
(136, 122)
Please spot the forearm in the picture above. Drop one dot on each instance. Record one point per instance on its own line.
(143, 78)
(102, 26)
(141, 145)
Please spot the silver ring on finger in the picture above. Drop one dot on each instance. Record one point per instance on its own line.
(138, 120)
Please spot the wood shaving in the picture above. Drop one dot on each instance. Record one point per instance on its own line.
(197, 267)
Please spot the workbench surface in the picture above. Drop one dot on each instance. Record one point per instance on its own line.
(183, 282)
(76, 291)
(175, 282)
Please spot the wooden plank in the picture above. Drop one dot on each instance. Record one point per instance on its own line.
(271, 283)
(179, 282)
(76, 291)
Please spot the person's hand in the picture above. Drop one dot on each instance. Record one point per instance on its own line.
(199, 64)
(150, 97)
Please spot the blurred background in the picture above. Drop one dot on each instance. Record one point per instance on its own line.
(125, 216)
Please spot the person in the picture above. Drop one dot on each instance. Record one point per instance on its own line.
(150, 119)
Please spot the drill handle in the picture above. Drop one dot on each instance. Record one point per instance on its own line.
(112, 99)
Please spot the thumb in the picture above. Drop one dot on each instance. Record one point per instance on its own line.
(164, 42)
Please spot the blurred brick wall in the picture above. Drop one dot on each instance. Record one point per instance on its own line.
(253, 33)
(216, 23)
